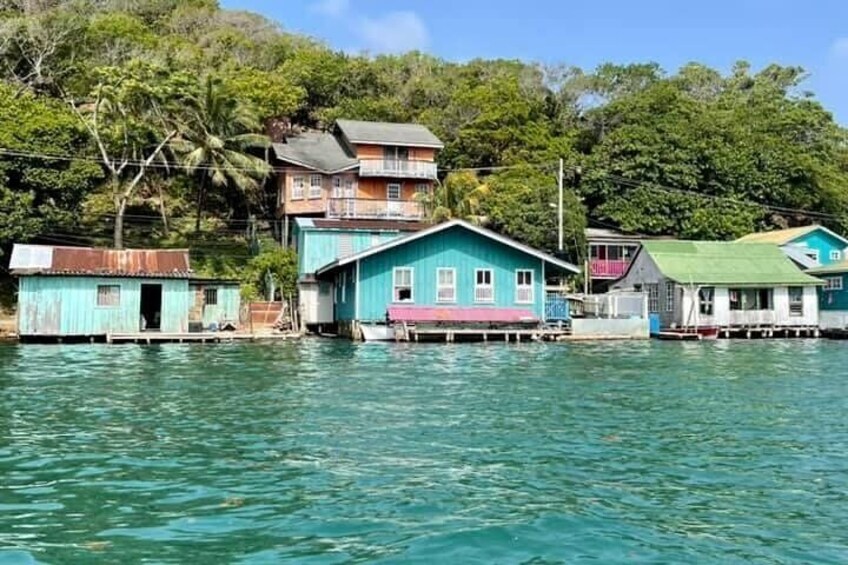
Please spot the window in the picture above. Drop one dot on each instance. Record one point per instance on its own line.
(835, 255)
(833, 283)
(298, 185)
(393, 191)
(812, 254)
(706, 300)
(402, 284)
(108, 295)
(345, 245)
(337, 187)
(669, 296)
(375, 239)
(395, 153)
(350, 188)
(796, 301)
(344, 287)
(315, 184)
(422, 188)
(524, 287)
(653, 290)
(210, 296)
(751, 299)
(484, 289)
(445, 285)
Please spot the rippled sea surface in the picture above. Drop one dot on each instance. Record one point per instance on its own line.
(326, 451)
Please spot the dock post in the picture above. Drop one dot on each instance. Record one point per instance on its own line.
(517, 337)
(485, 337)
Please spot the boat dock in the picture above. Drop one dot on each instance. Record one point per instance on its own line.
(149, 338)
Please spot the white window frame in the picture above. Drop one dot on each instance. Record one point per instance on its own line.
(832, 283)
(315, 190)
(389, 187)
(835, 255)
(490, 287)
(669, 296)
(344, 287)
(338, 183)
(653, 291)
(396, 287)
(519, 287)
(422, 188)
(447, 288)
(812, 254)
(298, 187)
(798, 304)
(115, 289)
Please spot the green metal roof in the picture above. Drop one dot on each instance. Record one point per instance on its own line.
(725, 263)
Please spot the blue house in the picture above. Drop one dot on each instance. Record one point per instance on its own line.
(453, 272)
(833, 296)
(88, 293)
(320, 241)
(808, 246)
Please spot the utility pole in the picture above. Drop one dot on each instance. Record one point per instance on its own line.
(559, 206)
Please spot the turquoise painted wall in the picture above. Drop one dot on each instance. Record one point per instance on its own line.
(824, 243)
(345, 285)
(228, 307)
(67, 306)
(317, 247)
(454, 248)
(834, 299)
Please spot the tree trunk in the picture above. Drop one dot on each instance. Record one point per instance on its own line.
(118, 235)
(163, 212)
(201, 197)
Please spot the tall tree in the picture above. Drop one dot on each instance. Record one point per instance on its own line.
(216, 136)
(457, 198)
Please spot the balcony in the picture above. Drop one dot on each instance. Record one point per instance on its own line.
(366, 209)
(397, 168)
(609, 269)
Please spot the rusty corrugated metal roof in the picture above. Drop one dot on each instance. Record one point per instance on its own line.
(159, 263)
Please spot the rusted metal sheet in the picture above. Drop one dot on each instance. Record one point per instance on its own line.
(54, 260)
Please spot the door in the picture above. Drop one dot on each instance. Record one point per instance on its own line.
(394, 207)
(151, 307)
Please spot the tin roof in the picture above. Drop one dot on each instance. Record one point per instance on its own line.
(460, 314)
(89, 261)
(724, 263)
(782, 237)
(319, 151)
(387, 133)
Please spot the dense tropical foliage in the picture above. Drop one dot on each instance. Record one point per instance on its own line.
(125, 120)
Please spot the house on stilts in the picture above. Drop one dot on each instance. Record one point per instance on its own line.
(724, 288)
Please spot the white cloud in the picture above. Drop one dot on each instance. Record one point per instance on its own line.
(331, 8)
(839, 48)
(394, 32)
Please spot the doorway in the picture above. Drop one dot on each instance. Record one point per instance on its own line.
(151, 307)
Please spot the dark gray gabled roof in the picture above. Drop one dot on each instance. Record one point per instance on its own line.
(385, 133)
(315, 150)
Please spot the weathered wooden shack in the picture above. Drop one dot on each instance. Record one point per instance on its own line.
(75, 292)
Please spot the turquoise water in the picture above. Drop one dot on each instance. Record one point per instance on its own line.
(329, 452)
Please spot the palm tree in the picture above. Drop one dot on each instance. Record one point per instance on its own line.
(459, 197)
(215, 138)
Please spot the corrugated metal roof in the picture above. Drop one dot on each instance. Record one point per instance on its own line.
(158, 263)
(386, 133)
(459, 314)
(779, 237)
(841, 267)
(724, 263)
(315, 150)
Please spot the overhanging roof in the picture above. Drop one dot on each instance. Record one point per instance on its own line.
(782, 237)
(835, 268)
(550, 259)
(319, 151)
(386, 133)
(724, 263)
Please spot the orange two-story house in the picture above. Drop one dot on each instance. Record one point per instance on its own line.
(359, 170)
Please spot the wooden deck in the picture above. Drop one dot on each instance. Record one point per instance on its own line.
(451, 335)
(149, 338)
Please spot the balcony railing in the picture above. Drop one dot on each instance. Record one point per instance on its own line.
(398, 168)
(607, 268)
(365, 209)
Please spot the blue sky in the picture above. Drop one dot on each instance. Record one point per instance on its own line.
(812, 34)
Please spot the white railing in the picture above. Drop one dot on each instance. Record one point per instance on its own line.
(616, 305)
(366, 209)
(399, 168)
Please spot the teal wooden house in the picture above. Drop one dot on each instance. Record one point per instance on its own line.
(320, 241)
(453, 272)
(74, 292)
(809, 247)
(833, 295)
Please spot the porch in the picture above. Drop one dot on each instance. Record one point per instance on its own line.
(398, 168)
(373, 209)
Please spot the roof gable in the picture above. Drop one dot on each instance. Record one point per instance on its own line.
(319, 151)
(386, 133)
(550, 259)
(724, 263)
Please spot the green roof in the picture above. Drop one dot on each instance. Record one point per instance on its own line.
(725, 263)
